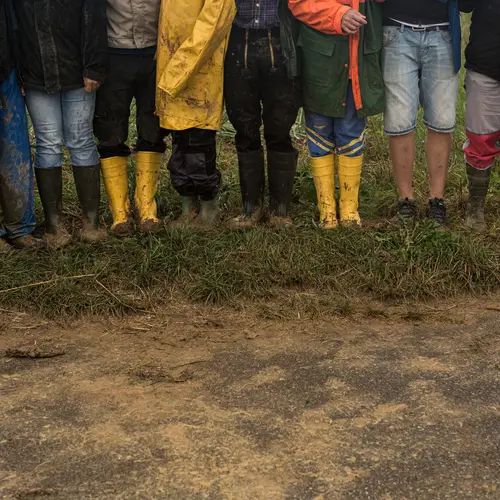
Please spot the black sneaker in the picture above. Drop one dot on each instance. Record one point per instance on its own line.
(406, 211)
(437, 211)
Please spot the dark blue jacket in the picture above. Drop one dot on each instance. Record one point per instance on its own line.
(456, 32)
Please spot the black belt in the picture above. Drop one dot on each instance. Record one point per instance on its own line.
(390, 22)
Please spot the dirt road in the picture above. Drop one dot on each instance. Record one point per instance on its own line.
(198, 403)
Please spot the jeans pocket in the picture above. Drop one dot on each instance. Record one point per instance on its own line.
(446, 34)
(389, 35)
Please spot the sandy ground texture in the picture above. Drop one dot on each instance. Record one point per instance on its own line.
(197, 403)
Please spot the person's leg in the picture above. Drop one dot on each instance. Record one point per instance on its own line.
(320, 140)
(281, 103)
(181, 181)
(243, 106)
(439, 95)
(112, 109)
(200, 155)
(150, 146)
(400, 66)
(78, 109)
(482, 121)
(350, 134)
(46, 114)
(16, 173)
(111, 126)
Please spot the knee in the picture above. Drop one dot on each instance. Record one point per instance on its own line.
(48, 150)
(81, 145)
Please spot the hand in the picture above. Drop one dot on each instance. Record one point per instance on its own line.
(90, 85)
(352, 21)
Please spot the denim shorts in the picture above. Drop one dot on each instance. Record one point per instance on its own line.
(418, 69)
(65, 118)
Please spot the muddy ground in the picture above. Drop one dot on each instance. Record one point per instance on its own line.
(198, 403)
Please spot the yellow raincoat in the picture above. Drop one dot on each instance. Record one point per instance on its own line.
(192, 43)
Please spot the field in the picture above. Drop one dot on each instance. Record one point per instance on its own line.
(291, 364)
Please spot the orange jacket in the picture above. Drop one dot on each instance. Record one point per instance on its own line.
(326, 16)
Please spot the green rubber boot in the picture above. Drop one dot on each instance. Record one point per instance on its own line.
(209, 215)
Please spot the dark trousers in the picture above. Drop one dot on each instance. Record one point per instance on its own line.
(193, 164)
(130, 76)
(257, 89)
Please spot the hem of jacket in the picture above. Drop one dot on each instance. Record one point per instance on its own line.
(130, 44)
(362, 113)
(167, 123)
(471, 67)
(62, 88)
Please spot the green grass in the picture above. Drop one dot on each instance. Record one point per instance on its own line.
(303, 269)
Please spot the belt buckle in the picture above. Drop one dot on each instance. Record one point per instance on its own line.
(418, 29)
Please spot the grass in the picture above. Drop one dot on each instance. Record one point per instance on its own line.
(304, 269)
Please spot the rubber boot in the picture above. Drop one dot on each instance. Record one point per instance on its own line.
(479, 182)
(115, 175)
(281, 171)
(88, 188)
(147, 167)
(27, 242)
(4, 246)
(189, 211)
(49, 181)
(209, 215)
(323, 171)
(349, 180)
(252, 184)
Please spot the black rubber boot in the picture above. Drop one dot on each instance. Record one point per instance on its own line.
(479, 182)
(252, 184)
(49, 181)
(88, 188)
(281, 168)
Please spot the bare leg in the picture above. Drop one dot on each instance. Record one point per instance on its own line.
(402, 149)
(438, 158)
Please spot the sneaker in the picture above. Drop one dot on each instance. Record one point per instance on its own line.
(406, 211)
(437, 211)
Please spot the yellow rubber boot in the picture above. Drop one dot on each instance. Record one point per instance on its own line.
(147, 179)
(349, 180)
(323, 170)
(114, 172)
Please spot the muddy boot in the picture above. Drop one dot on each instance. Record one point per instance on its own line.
(27, 242)
(115, 175)
(209, 215)
(189, 212)
(88, 188)
(281, 168)
(252, 183)
(349, 180)
(323, 171)
(4, 246)
(479, 182)
(49, 182)
(147, 169)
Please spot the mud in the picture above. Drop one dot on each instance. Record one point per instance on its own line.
(187, 405)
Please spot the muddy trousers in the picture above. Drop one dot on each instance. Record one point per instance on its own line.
(257, 89)
(131, 76)
(193, 164)
(16, 173)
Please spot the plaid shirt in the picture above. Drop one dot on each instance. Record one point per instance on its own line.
(257, 14)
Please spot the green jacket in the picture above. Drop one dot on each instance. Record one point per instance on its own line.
(289, 31)
(325, 67)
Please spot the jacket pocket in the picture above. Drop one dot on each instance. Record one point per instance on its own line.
(319, 66)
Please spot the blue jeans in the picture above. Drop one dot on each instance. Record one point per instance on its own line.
(61, 119)
(418, 68)
(16, 173)
(344, 136)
